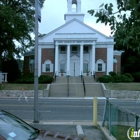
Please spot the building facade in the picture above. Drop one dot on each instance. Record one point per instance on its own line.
(76, 49)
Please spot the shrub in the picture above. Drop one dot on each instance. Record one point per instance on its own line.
(30, 79)
(112, 73)
(124, 78)
(105, 79)
(117, 78)
(136, 76)
(129, 76)
(45, 79)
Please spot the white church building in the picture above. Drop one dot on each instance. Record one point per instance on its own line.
(75, 49)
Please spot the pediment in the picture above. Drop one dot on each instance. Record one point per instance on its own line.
(73, 29)
(74, 57)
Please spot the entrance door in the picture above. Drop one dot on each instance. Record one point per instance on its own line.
(74, 68)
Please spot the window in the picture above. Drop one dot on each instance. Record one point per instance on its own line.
(85, 67)
(74, 49)
(100, 65)
(31, 65)
(47, 66)
(62, 49)
(62, 66)
(85, 49)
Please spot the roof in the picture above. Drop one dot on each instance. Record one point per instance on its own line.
(70, 22)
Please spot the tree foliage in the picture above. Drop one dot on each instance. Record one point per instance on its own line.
(16, 25)
(124, 22)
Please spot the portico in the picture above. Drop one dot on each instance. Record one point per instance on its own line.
(74, 57)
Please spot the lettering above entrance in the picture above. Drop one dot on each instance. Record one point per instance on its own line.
(74, 41)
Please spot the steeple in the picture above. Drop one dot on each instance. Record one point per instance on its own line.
(74, 10)
(76, 3)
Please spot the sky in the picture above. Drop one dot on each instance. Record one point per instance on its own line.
(52, 15)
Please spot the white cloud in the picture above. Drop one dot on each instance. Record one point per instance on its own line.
(53, 15)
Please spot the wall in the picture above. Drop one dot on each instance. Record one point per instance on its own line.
(122, 94)
(47, 54)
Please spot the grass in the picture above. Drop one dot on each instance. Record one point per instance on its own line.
(120, 132)
(7, 86)
(123, 86)
(111, 86)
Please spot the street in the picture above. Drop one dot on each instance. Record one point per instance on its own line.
(62, 109)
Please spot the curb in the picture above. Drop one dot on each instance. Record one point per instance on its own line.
(62, 122)
(79, 130)
(106, 133)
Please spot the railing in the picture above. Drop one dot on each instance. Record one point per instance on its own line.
(94, 76)
(84, 87)
(68, 85)
(121, 123)
(3, 77)
(55, 77)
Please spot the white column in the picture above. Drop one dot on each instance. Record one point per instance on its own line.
(56, 59)
(81, 59)
(109, 59)
(68, 59)
(93, 59)
(5, 77)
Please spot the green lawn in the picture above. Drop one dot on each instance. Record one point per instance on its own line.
(7, 86)
(111, 86)
(123, 86)
(120, 132)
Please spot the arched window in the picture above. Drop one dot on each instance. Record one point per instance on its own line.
(31, 65)
(47, 66)
(100, 65)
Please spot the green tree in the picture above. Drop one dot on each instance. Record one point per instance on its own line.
(16, 25)
(124, 22)
(12, 68)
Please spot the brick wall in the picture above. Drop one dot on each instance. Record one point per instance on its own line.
(101, 53)
(47, 54)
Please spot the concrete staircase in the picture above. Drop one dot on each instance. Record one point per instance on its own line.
(60, 87)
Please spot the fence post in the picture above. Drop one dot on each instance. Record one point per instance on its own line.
(105, 109)
(136, 125)
(95, 111)
(109, 119)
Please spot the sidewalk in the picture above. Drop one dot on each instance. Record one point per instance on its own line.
(89, 132)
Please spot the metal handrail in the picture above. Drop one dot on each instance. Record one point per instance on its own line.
(84, 87)
(55, 77)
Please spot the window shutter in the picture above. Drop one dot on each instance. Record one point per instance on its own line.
(103, 67)
(43, 68)
(51, 67)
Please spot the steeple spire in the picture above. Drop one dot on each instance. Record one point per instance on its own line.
(74, 10)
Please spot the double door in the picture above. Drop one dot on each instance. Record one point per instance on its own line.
(75, 68)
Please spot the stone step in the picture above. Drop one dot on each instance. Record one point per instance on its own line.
(61, 90)
(73, 79)
(94, 90)
(89, 79)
